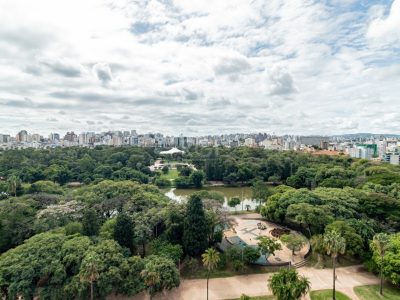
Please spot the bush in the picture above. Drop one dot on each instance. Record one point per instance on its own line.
(162, 183)
(73, 228)
(45, 186)
(182, 182)
(191, 265)
(165, 169)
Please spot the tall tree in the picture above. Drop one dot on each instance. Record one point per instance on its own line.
(90, 222)
(210, 261)
(14, 183)
(89, 271)
(195, 235)
(335, 244)
(123, 231)
(379, 245)
(288, 285)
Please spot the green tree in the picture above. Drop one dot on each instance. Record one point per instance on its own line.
(268, 246)
(233, 202)
(89, 271)
(73, 228)
(195, 235)
(165, 169)
(250, 254)
(391, 259)
(14, 184)
(260, 191)
(196, 178)
(310, 216)
(354, 242)
(163, 248)
(90, 222)
(318, 247)
(123, 231)
(210, 261)
(159, 273)
(107, 229)
(335, 244)
(379, 246)
(288, 285)
(293, 241)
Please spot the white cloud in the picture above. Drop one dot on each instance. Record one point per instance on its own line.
(178, 64)
(386, 29)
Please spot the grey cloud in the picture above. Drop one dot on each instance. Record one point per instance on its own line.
(103, 73)
(218, 102)
(90, 122)
(191, 95)
(64, 67)
(282, 82)
(25, 103)
(229, 66)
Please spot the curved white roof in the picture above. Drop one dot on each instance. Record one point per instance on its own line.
(172, 151)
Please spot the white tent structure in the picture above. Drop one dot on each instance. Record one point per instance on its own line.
(172, 151)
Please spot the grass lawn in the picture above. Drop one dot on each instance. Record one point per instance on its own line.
(171, 175)
(371, 292)
(327, 295)
(344, 261)
(201, 272)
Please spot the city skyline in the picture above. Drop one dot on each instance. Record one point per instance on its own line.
(299, 67)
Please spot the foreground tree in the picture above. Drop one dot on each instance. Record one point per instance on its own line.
(267, 246)
(159, 274)
(335, 244)
(379, 246)
(195, 235)
(210, 261)
(288, 285)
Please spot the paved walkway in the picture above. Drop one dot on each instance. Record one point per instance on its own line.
(256, 285)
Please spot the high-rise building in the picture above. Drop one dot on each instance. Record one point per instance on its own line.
(22, 136)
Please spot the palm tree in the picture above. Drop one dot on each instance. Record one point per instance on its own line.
(335, 244)
(90, 273)
(210, 261)
(13, 183)
(380, 244)
(288, 285)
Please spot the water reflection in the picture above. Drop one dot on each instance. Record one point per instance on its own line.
(243, 193)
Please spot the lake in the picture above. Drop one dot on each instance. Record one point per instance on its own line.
(244, 193)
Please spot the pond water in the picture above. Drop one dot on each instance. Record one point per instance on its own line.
(243, 193)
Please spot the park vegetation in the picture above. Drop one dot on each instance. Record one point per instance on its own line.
(85, 223)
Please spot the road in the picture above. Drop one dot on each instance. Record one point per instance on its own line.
(256, 285)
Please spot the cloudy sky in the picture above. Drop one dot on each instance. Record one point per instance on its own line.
(198, 67)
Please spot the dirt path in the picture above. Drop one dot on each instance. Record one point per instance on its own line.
(256, 285)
